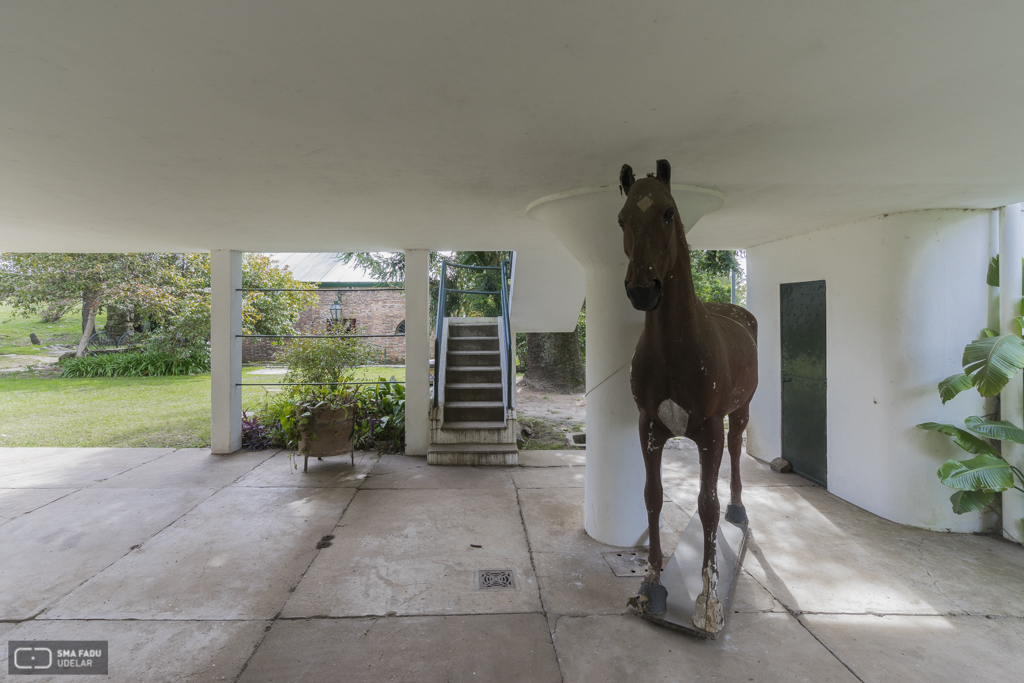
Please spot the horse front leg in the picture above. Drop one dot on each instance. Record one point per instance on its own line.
(736, 513)
(652, 440)
(707, 614)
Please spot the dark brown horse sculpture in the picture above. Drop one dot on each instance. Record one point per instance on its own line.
(695, 363)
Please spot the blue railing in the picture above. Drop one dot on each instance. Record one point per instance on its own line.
(509, 381)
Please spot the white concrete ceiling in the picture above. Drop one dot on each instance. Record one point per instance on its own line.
(318, 125)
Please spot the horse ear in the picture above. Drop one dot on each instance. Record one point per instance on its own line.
(664, 172)
(626, 178)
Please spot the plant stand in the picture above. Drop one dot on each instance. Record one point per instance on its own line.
(329, 432)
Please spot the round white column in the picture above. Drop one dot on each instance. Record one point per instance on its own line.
(585, 221)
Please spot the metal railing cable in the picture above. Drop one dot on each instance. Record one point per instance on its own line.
(315, 336)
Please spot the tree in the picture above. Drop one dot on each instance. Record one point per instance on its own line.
(170, 289)
(32, 283)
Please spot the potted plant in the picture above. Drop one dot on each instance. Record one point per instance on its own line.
(325, 422)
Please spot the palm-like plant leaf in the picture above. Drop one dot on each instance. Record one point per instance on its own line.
(953, 385)
(987, 332)
(962, 438)
(992, 362)
(1001, 430)
(982, 473)
(968, 501)
(992, 277)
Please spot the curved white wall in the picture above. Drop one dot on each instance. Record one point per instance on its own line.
(904, 294)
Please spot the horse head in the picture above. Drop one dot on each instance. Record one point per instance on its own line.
(651, 234)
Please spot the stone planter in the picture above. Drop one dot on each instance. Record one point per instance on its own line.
(329, 432)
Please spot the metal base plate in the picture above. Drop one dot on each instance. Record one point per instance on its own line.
(682, 575)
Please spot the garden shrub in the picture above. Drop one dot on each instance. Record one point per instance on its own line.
(150, 362)
(379, 409)
(324, 359)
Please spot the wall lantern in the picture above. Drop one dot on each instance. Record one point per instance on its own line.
(336, 311)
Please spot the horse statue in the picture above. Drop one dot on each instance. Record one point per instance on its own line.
(695, 363)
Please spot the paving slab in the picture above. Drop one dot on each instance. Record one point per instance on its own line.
(235, 556)
(71, 467)
(683, 465)
(923, 648)
(576, 458)
(189, 467)
(411, 552)
(412, 472)
(818, 553)
(753, 647)
(157, 651)
(512, 647)
(59, 546)
(548, 477)
(17, 502)
(285, 469)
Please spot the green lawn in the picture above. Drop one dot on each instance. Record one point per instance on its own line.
(15, 330)
(121, 411)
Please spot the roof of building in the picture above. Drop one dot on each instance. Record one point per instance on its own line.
(320, 267)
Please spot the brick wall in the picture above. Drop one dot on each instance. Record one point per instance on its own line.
(364, 312)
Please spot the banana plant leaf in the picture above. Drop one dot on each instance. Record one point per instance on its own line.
(953, 385)
(992, 362)
(992, 277)
(969, 501)
(962, 438)
(982, 473)
(1001, 430)
(987, 332)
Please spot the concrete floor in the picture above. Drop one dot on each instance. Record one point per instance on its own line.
(200, 567)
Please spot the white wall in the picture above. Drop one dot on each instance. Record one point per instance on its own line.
(905, 293)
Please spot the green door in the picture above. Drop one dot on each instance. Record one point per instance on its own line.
(804, 415)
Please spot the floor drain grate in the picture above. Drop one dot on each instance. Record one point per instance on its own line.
(496, 578)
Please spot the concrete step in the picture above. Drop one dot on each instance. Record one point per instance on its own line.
(475, 391)
(475, 426)
(473, 358)
(473, 454)
(473, 344)
(471, 329)
(473, 411)
(473, 373)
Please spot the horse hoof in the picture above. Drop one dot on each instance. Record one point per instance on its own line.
(737, 514)
(652, 599)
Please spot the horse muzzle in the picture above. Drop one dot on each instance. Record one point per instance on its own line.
(645, 298)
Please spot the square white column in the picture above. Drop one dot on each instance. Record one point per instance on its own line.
(225, 351)
(417, 353)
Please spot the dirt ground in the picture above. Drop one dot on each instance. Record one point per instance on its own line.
(547, 419)
(550, 418)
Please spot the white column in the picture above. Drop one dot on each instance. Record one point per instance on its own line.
(1012, 398)
(585, 222)
(417, 353)
(225, 351)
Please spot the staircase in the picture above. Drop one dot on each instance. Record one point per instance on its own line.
(470, 424)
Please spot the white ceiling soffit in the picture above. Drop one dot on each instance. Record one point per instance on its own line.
(548, 291)
(316, 125)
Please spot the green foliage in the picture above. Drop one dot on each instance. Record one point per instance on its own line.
(992, 361)
(989, 364)
(379, 408)
(380, 417)
(986, 473)
(962, 438)
(711, 274)
(953, 385)
(992, 276)
(272, 312)
(323, 360)
(148, 363)
(969, 501)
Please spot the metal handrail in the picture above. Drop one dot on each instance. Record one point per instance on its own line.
(442, 311)
(438, 326)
